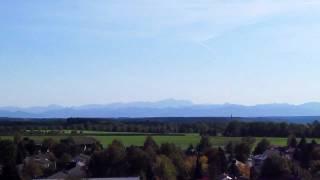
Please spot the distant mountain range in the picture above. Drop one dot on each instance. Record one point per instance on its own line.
(165, 108)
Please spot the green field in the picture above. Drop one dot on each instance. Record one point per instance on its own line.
(180, 140)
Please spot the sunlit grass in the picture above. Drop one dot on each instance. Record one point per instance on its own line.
(179, 140)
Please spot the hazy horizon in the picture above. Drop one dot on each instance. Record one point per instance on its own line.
(74, 53)
(167, 101)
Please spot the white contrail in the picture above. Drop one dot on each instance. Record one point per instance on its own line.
(209, 49)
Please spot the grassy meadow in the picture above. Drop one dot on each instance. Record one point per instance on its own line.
(182, 140)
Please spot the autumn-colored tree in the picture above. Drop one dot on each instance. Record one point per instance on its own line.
(164, 168)
(176, 155)
(190, 165)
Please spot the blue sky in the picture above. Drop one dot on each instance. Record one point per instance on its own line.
(208, 51)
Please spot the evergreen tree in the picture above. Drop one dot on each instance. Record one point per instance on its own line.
(204, 144)
(242, 152)
(261, 147)
(275, 167)
(303, 142)
(150, 143)
(292, 141)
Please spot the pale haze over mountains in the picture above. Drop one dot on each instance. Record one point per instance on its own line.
(164, 108)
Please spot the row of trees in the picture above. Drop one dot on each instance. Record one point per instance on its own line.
(209, 126)
(165, 161)
(271, 129)
(168, 161)
(204, 126)
(152, 161)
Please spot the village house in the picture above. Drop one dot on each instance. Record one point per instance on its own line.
(85, 144)
(45, 160)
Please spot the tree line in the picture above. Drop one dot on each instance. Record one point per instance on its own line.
(235, 127)
(271, 129)
(209, 126)
(168, 161)
(164, 161)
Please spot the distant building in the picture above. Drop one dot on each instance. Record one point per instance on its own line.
(86, 144)
(258, 160)
(82, 159)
